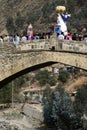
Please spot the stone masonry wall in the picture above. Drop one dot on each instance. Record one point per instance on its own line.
(13, 59)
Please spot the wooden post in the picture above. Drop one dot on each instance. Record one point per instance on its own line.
(12, 95)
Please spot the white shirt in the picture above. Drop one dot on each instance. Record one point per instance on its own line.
(24, 39)
(61, 37)
(1, 40)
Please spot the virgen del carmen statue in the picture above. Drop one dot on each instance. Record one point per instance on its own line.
(62, 19)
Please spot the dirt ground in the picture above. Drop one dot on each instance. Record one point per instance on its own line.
(75, 84)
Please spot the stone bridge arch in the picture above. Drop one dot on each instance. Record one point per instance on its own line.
(24, 71)
(14, 65)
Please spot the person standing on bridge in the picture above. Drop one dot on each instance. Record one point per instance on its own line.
(16, 39)
(1, 39)
(30, 32)
(61, 36)
(23, 39)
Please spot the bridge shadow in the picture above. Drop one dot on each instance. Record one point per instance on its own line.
(25, 71)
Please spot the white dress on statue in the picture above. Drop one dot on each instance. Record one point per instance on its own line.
(61, 24)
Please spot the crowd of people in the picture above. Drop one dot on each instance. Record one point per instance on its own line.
(23, 38)
(74, 36)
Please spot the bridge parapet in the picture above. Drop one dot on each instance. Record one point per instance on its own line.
(69, 45)
(34, 45)
(72, 46)
(45, 44)
(7, 48)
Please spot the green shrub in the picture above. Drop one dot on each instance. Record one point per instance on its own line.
(63, 76)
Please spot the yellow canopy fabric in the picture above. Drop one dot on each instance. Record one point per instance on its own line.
(60, 9)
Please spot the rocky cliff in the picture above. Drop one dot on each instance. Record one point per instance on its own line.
(41, 13)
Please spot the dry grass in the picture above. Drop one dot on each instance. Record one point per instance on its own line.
(77, 83)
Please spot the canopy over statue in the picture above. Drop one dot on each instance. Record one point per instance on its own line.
(62, 18)
(60, 9)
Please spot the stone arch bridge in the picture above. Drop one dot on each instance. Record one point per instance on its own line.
(16, 60)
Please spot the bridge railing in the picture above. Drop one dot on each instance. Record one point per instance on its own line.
(66, 45)
(46, 44)
(74, 46)
(7, 48)
(33, 45)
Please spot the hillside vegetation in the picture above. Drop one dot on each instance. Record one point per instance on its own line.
(41, 13)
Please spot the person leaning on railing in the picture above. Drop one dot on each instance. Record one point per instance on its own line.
(1, 39)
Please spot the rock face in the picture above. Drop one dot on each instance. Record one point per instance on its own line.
(6, 126)
(33, 112)
(40, 13)
(14, 120)
(29, 9)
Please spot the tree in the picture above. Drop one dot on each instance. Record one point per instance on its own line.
(6, 94)
(63, 76)
(42, 77)
(46, 94)
(58, 109)
(47, 109)
(81, 104)
(63, 110)
(52, 81)
(81, 99)
(19, 23)
(10, 25)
